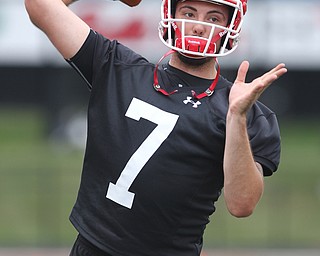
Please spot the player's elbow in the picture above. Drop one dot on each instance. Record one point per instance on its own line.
(29, 5)
(242, 204)
(241, 212)
(34, 10)
(241, 207)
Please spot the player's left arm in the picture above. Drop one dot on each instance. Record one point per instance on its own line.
(243, 177)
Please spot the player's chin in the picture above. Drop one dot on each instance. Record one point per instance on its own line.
(193, 60)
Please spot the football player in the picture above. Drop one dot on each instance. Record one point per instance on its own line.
(164, 140)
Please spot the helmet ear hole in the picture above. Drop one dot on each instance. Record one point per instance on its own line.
(165, 34)
(231, 11)
(229, 43)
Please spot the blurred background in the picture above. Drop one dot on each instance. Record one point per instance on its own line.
(43, 123)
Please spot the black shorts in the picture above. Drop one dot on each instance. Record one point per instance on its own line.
(83, 247)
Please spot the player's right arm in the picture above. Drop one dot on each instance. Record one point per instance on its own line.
(65, 29)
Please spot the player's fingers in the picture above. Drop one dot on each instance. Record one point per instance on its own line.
(242, 72)
(279, 70)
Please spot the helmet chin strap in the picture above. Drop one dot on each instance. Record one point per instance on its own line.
(195, 44)
(156, 85)
(206, 93)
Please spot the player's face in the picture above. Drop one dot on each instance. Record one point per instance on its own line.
(195, 10)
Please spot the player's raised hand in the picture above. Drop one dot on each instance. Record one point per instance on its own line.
(243, 95)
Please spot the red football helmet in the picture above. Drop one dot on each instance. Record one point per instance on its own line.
(199, 47)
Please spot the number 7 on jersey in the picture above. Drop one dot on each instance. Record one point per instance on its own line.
(165, 121)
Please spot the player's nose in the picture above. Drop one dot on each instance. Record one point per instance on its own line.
(198, 29)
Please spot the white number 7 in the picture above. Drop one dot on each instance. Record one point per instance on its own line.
(165, 121)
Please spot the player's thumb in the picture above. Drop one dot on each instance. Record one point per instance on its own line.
(242, 72)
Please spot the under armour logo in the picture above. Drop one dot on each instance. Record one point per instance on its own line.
(189, 100)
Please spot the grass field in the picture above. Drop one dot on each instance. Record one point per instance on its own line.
(39, 182)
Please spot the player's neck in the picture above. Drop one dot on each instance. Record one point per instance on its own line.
(204, 69)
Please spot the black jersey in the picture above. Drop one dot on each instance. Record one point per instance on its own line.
(153, 165)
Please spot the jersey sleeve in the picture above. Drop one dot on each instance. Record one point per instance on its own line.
(264, 138)
(82, 62)
(99, 54)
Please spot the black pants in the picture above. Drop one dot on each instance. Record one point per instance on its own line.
(83, 247)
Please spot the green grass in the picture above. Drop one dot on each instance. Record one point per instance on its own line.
(39, 183)
(288, 214)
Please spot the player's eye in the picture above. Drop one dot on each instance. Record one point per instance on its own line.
(189, 15)
(214, 19)
(217, 18)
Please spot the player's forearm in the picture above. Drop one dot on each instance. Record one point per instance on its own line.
(243, 184)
